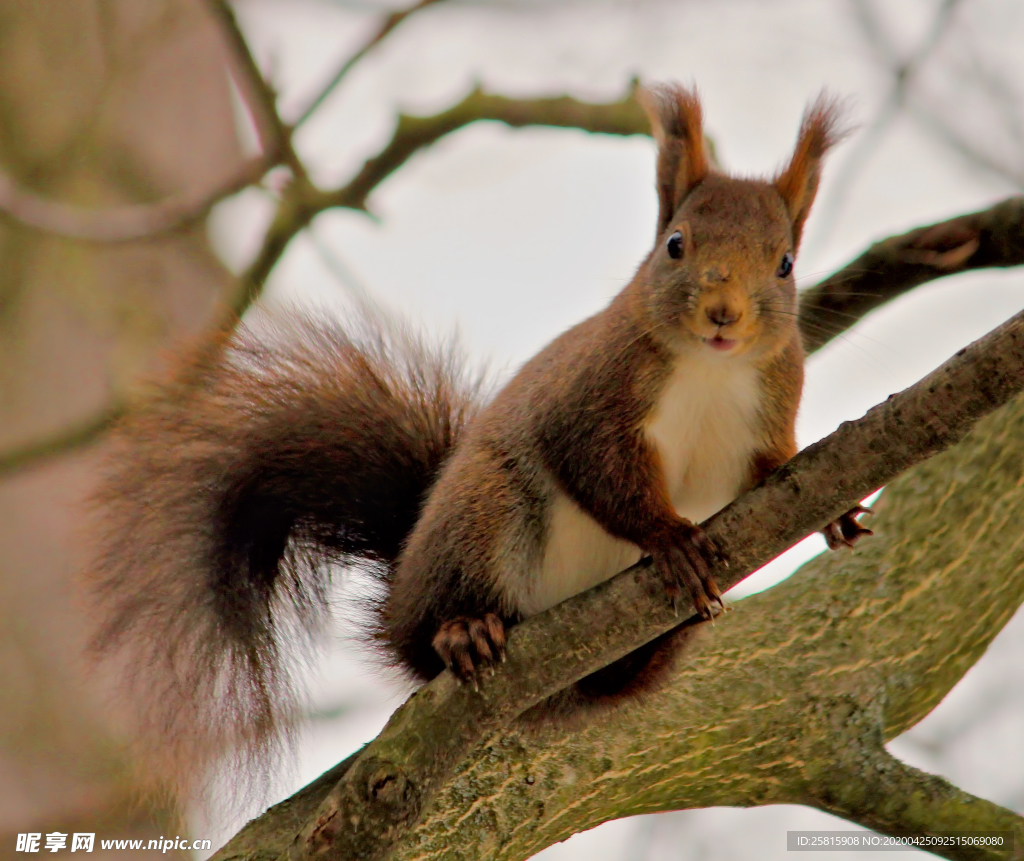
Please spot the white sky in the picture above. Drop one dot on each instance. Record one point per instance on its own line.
(511, 236)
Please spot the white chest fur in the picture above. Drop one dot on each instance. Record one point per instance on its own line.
(705, 427)
(578, 554)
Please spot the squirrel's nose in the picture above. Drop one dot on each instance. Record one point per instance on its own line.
(722, 315)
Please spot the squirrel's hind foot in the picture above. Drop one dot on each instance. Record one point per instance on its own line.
(466, 643)
(686, 562)
(845, 530)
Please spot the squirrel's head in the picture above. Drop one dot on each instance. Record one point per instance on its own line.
(720, 276)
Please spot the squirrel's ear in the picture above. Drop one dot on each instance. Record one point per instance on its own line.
(676, 123)
(798, 182)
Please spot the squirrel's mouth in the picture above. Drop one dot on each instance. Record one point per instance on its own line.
(721, 344)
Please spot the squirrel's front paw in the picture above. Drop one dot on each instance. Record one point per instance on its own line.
(466, 643)
(845, 530)
(686, 562)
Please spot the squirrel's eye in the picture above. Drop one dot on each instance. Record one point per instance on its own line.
(675, 245)
(785, 265)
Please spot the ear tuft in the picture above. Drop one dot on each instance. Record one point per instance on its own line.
(677, 125)
(820, 130)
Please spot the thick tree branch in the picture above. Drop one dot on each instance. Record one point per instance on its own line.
(396, 778)
(991, 238)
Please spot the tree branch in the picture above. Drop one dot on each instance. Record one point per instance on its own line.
(624, 117)
(991, 238)
(124, 223)
(302, 202)
(869, 786)
(66, 440)
(275, 136)
(130, 223)
(397, 777)
(386, 26)
(904, 71)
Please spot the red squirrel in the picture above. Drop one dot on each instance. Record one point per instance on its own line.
(256, 465)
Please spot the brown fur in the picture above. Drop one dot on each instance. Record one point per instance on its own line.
(677, 123)
(798, 181)
(572, 420)
(255, 466)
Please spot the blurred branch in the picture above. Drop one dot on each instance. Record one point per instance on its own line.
(991, 238)
(301, 201)
(623, 117)
(902, 97)
(67, 440)
(386, 26)
(963, 145)
(123, 223)
(128, 223)
(260, 97)
(878, 40)
(342, 272)
(903, 71)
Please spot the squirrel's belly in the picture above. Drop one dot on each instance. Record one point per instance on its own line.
(706, 429)
(578, 554)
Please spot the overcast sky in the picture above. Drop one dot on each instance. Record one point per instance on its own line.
(511, 236)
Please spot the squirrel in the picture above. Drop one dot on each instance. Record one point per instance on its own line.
(258, 463)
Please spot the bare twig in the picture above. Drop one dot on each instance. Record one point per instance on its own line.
(386, 26)
(259, 95)
(901, 96)
(300, 200)
(395, 778)
(624, 117)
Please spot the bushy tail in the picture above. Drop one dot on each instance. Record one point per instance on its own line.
(267, 457)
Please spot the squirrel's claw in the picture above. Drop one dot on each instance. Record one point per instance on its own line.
(687, 563)
(845, 530)
(466, 643)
